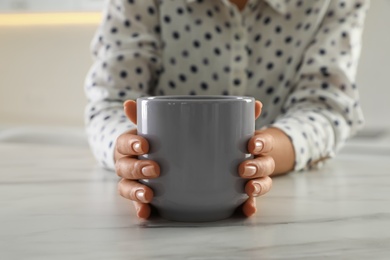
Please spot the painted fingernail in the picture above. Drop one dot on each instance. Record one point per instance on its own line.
(137, 147)
(249, 170)
(148, 171)
(258, 146)
(257, 189)
(140, 194)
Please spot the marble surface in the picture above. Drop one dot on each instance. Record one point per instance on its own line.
(55, 203)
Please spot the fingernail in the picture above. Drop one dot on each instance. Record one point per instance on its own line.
(148, 171)
(140, 194)
(137, 147)
(258, 146)
(249, 170)
(257, 189)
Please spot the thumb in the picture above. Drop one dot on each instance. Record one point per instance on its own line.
(258, 108)
(130, 108)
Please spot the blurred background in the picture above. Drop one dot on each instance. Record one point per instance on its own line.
(44, 57)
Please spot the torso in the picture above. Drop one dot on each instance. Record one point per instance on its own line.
(214, 51)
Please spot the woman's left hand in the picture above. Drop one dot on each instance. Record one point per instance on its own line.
(258, 169)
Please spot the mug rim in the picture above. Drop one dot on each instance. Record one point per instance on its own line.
(192, 98)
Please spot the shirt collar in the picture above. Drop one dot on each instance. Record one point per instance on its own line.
(280, 6)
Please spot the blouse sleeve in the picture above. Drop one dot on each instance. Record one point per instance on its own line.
(323, 110)
(127, 60)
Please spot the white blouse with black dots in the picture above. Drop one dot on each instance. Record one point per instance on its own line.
(298, 57)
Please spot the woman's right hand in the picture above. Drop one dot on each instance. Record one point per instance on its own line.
(128, 146)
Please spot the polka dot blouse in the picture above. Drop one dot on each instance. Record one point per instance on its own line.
(298, 57)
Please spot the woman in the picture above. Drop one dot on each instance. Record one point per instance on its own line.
(298, 57)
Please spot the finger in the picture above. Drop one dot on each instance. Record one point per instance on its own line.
(260, 143)
(134, 169)
(143, 210)
(135, 191)
(258, 108)
(258, 187)
(256, 168)
(249, 207)
(130, 108)
(132, 144)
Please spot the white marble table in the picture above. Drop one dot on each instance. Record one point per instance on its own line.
(55, 203)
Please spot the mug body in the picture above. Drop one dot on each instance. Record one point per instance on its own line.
(199, 142)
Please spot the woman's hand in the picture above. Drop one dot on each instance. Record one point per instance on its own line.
(128, 147)
(257, 170)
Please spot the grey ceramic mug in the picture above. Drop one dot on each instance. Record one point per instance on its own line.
(199, 142)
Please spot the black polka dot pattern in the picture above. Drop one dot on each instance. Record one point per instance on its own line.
(296, 56)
